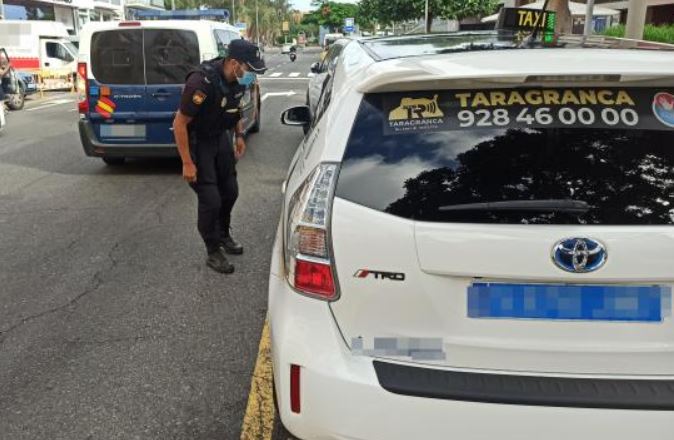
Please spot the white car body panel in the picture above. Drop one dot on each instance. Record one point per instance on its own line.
(431, 303)
(342, 400)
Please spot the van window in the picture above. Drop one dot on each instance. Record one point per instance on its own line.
(56, 50)
(515, 156)
(117, 56)
(169, 55)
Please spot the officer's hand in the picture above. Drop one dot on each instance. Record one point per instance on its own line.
(189, 172)
(240, 148)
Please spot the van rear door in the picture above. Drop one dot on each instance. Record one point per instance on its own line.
(169, 56)
(117, 89)
(139, 75)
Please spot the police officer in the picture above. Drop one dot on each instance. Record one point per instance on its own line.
(209, 109)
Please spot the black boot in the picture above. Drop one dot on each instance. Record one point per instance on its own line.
(218, 262)
(231, 246)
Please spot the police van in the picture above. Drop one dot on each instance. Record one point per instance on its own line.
(130, 79)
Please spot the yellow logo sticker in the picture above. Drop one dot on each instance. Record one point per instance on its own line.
(416, 108)
(198, 97)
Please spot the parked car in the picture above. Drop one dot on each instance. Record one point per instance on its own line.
(130, 78)
(321, 70)
(24, 85)
(477, 242)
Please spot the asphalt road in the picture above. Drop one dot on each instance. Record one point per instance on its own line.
(111, 326)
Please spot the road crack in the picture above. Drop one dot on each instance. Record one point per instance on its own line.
(94, 284)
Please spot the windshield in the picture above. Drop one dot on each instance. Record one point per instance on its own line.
(433, 44)
(587, 156)
(71, 48)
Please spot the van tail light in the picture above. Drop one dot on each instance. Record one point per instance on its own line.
(129, 23)
(310, 267)
(82, 88)
(295, 403)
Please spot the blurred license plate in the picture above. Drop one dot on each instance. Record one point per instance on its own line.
(569, 302)
(123, 131)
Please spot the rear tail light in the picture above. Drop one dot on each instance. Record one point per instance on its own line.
(129, 23)
(82, 88)
(310, 267)
(295, 405)
(314, 277)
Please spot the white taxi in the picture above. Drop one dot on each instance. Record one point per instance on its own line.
(477, 242)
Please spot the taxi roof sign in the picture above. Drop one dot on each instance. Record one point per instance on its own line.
(522, 19)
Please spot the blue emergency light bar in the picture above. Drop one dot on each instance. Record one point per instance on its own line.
(185, 14)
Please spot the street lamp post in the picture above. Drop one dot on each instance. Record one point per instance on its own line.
(233, 12)
(257, 25)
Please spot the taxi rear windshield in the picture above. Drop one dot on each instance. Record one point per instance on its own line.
(515, 156)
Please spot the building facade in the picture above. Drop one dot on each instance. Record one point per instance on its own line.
(74, 14)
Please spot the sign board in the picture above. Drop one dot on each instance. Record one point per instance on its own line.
(286, 26)
(527, 19)
(349, 24)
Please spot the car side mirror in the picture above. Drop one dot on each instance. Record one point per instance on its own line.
(316, 67)
(296, 116)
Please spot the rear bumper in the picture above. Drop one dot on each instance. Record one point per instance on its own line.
(94, 148)
(342, 397)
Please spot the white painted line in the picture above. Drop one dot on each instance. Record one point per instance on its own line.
(51, 104)
(267, 95)
(283, 79)
(311, 74)
(294, 75)
(275, 75)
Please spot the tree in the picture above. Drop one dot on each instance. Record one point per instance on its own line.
(331, 14)
(271, 14)
(392, 11)
(564, 23)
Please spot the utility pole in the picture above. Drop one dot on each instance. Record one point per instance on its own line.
(589, 9)
(257, 25)
(2, 10)
(233, 12)
(173, 5)
(426, 24)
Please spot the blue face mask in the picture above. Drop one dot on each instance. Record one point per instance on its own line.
(247, 79)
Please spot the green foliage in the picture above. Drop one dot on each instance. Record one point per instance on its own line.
(271, 14)
(331, 14)
(389, 11)
(663, 34)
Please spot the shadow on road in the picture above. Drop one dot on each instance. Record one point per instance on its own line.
(143, 167)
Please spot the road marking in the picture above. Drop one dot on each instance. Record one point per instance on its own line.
(311, 74)
(283, 79)
(267, 95)
(294, 75)
(275, 74)
(258, 421)
(51, 104)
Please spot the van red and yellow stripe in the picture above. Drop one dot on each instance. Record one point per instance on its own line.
(105, 107)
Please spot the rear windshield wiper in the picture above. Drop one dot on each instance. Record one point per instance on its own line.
(552, 205)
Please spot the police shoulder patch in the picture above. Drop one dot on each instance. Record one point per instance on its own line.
(198, 97)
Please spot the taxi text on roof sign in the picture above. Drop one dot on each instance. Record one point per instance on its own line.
(527, 19)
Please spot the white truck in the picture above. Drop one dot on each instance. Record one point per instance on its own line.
(40, 47)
